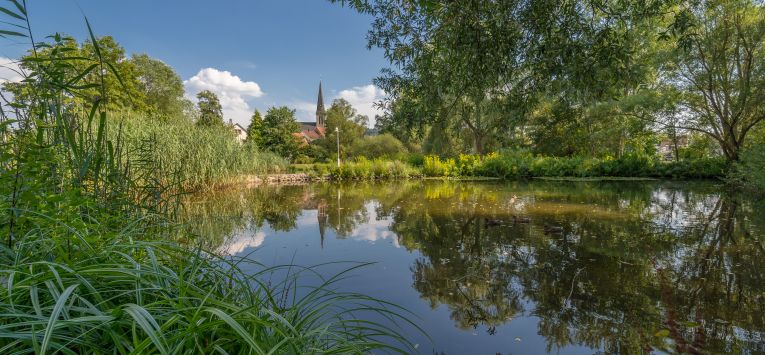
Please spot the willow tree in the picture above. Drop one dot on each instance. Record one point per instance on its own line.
(458, 55)
(720, 70)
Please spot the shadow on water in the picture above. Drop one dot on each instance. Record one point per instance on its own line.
(619, 267)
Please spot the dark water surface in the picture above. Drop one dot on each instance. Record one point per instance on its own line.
(525, 268)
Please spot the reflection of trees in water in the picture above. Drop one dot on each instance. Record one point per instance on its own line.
(597, 283)
(214, 217)
(635, 266)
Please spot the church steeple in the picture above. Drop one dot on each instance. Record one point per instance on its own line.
(321, 114)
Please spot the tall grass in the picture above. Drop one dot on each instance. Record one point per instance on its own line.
(202, 157)
(88, 263)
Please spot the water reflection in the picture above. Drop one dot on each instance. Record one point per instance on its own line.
(620, 267)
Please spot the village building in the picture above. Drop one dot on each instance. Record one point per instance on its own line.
(240, 133)
(666, 147)
(311, 131)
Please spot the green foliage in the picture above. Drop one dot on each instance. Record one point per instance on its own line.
(160, 85)
(379, 146)
(750, 171)
(342, 116)
(210, 110)
(278, 127)
(584, 78)
(434, 166)
(98, 66)
(152, 297)
(255, 129)
(364, 169)
(522, 164)
(718, 66)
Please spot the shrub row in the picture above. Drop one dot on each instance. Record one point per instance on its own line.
(514, 165)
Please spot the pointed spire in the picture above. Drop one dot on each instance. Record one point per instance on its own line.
(320, 112)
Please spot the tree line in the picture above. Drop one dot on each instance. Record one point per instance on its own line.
(571, 77)
(148, 87)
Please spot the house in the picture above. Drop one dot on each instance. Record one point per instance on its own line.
(666, 147)
(311, 131)
(240, 133)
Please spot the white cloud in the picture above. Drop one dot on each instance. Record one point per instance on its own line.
(232, 91)
(9, 70)
(305, 111)
(363, 99)
(240, 242)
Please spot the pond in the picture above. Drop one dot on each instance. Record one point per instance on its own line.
(524, 267)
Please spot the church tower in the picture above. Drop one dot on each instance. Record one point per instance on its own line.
(321, 114)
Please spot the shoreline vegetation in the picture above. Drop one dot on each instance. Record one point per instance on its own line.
(514, 166)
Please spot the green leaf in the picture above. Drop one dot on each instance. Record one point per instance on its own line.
(4, 33)
(148, 325)
(237, 328)
(11, 13)
(60, 303)
(662, 333)
(21, 8)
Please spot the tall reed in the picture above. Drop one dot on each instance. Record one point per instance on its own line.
(202, 157)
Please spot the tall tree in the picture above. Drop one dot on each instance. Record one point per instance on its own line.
(279, 125)
(255, 129)
(455, 56)
(343, 117)
(160, 84)
(111, 80)
(210, 110)
(720, 70)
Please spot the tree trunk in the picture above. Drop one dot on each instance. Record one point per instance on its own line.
(478, 143)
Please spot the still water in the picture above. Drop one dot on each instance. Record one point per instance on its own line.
(524, 268)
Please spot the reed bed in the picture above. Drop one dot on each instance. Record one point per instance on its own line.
(200, 157)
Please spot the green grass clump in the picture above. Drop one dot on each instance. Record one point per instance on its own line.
(155, 297)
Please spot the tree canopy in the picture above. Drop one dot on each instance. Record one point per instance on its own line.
(573, 77)
(210, 110)
(279, 125)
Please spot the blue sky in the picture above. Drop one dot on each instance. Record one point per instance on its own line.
(275, 51)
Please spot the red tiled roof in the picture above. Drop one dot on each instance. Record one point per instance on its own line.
(310, 134)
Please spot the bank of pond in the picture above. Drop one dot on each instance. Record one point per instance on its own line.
(513, 166)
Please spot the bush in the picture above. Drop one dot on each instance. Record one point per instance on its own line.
(434, 166)
(521, 164)
(364, 169)
(750, 171)
(380, 146)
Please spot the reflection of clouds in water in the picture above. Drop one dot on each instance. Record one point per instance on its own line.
(307, 218)
(240, 241)
(375, 228)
